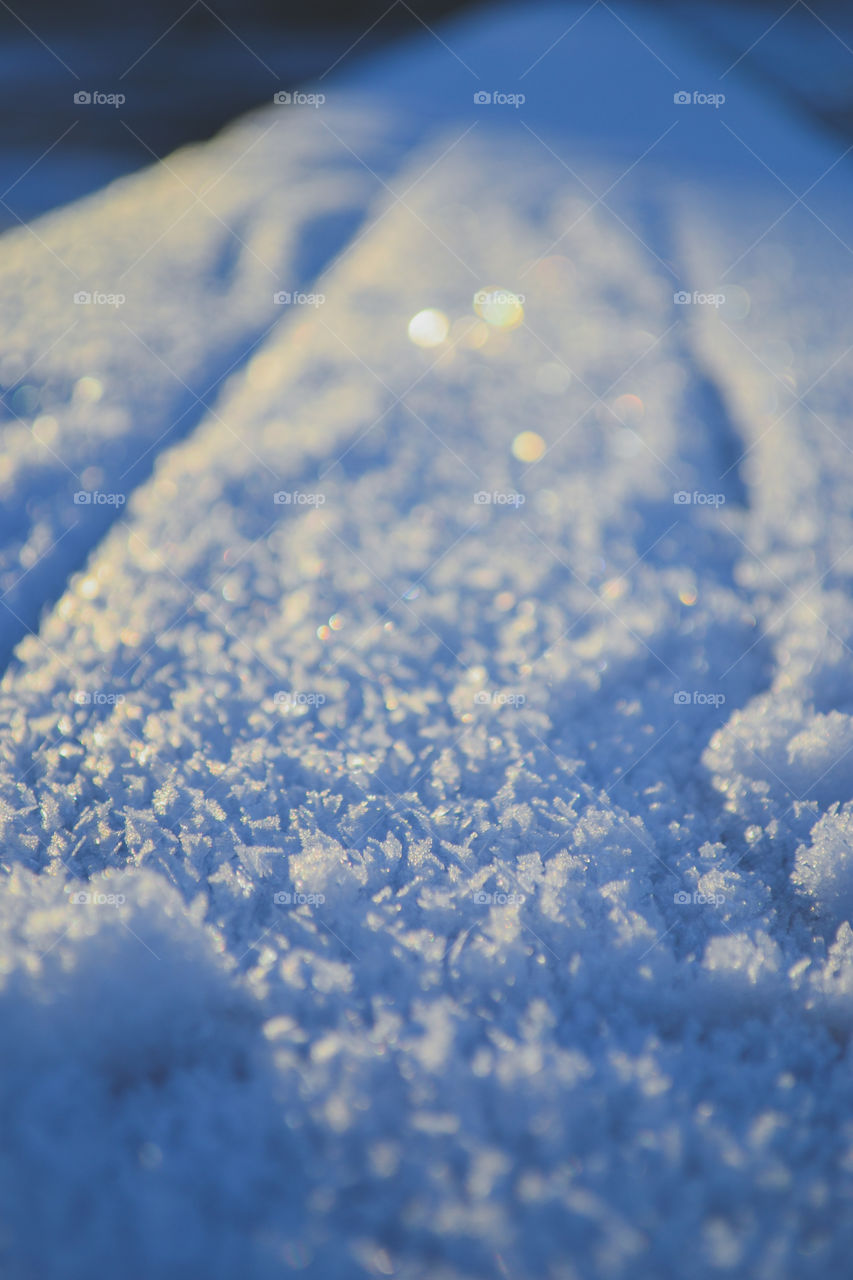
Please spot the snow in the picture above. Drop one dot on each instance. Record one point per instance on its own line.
(465, 884)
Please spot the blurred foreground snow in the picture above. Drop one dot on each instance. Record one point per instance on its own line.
(442, 870)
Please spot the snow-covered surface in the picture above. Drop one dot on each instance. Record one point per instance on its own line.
(468, 882)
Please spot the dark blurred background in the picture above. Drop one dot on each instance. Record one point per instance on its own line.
(185, 69)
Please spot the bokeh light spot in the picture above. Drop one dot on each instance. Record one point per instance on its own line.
(501, 308)
(528, 446)
(614, 588)
(629, 410)
(429, 328)
(88, 389)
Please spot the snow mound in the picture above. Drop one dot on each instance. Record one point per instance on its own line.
(823, 869)
(425, 801)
